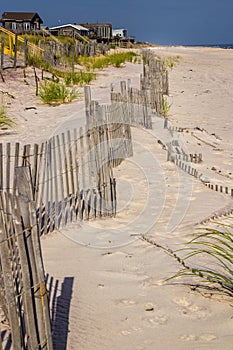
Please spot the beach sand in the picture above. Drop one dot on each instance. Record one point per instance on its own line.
(107, 285)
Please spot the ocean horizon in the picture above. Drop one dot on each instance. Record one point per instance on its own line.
(221, 46)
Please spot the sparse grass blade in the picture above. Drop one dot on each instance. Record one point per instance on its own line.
(215, 246)
(4, 120)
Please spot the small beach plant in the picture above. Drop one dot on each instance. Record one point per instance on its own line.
(165, 107)
(57, 93)
(78, 78)
(213, 248)
(170, 62)
(115, 59)
(4, 120)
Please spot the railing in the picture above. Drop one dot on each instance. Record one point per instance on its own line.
(12, 40)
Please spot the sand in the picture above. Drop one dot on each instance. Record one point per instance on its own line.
(107, 285)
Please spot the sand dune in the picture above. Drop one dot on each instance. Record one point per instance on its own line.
(108, 291)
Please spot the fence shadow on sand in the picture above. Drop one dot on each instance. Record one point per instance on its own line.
(60, 302)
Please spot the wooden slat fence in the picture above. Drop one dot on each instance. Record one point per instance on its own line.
(45, 186)
(154, 80)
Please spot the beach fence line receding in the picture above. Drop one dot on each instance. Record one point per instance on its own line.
(45, 186)
(177, 155)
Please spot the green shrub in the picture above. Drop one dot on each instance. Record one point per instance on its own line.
(56, 93)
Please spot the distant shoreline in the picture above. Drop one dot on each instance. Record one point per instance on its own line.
(216, 46)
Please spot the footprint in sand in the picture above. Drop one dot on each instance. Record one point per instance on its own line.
(190, 309)
(126, 302)
(203, 337)
(130, 331)
(208, 337)
(155, 321)
(188, 337)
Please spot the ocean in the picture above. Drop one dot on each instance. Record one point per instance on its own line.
(221, 46)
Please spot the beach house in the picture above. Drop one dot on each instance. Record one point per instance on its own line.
(71, 30)
(119, 32)
(99, 31)
(21, 22)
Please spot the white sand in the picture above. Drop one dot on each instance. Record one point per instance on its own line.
(110, 287)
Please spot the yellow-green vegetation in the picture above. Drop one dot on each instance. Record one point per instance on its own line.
(55, 93)
(165, 107)
(89, 64)
(171, 62)
(41, 39)
(4, 120)
(78, 78)
(212, 246)
(38, 62)
(115, 59)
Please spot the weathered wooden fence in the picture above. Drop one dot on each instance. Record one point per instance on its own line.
(54, 49)
(46, 186)
(134, 105)
(177, 155)
(154, 80)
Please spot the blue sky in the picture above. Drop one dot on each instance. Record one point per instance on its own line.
(164, 22)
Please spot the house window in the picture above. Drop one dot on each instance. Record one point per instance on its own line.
(14, 25)
(26, 26)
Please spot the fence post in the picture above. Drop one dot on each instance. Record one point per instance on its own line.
(2, 52)
(9, 283)
(25, 52)
(15, 50)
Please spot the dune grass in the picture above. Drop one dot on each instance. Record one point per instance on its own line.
(211, 251)
(4, 120)
(56, 93)
(165, 107)
(100, 62)
(171, 62)
(78, 78)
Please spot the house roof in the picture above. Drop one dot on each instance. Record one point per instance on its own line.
(118, 29)
(75, 26)
(97, 24)
(20, 16)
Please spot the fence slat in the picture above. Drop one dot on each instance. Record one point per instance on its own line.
(9, 282)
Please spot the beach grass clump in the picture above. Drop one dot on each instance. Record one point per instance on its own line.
(171, 62)
(39, 62)
(115, 59)
(165, 107)
(55, 93)
(4, 120)
(211, 252)
(79, 78)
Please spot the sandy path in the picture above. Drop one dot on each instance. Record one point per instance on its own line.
(118, 294)
(116, 280)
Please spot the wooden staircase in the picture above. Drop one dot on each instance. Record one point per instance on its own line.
(12, 37)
